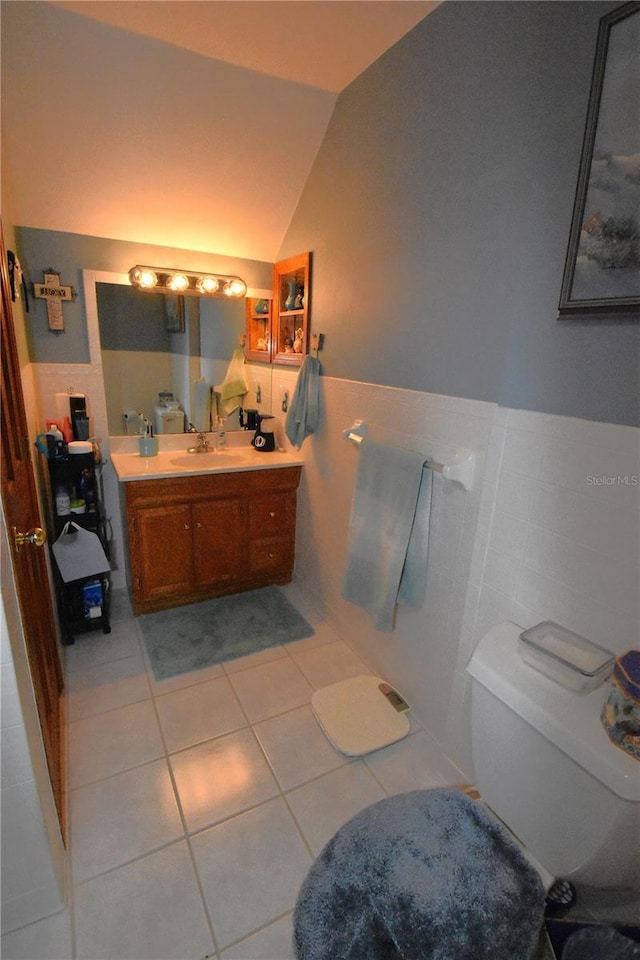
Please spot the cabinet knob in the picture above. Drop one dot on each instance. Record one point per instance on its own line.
(187, 527)
(271, 556)
(198, 524)
(272, 513)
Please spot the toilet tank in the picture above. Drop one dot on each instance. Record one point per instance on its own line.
(545, 765)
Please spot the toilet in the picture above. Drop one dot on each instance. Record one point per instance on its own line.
(546, 767)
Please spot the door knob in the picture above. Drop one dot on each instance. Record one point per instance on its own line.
(37, 537)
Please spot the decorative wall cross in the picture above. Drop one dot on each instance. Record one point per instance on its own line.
(54, 293)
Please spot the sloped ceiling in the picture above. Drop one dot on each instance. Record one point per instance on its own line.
(185, 124)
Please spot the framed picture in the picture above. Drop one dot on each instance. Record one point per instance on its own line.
(602, 269)
(175, 313)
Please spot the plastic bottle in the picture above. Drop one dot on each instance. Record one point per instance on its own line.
(63, 500)
(221, 442)
(58, 440)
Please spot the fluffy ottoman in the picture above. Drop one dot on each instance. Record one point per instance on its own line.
(425, 875)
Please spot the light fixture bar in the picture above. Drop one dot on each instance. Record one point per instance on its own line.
(186, 282)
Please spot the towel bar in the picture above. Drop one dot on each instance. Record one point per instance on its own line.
(461, 469)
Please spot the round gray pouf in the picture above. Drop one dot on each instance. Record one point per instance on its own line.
(425, 875)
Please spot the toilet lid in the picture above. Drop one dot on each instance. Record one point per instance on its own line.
(358, 715)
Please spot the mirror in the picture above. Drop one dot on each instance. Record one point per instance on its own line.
(152, 343)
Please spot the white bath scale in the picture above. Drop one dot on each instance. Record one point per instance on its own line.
(361, 714)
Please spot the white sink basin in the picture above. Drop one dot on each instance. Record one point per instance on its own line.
(204, 461)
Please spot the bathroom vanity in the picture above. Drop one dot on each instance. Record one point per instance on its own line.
(201, 526)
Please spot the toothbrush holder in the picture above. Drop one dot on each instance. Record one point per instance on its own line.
(148, 446)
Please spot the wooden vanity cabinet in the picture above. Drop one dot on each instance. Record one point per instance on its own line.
(191, 538)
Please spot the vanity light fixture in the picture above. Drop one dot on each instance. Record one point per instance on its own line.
(166, 280)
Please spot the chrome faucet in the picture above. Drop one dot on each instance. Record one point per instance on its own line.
(202, 444)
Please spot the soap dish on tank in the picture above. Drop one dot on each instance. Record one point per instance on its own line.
(565, 656)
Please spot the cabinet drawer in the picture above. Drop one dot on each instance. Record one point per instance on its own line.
(271, 554)
(272, 514)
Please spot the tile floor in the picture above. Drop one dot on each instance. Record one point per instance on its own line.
(198, 804)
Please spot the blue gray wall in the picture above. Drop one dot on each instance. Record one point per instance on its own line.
(71, 253)
(438, 212)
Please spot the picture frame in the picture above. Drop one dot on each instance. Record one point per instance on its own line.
(175, 313)
(602, 267)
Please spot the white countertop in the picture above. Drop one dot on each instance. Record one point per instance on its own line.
(176, 462)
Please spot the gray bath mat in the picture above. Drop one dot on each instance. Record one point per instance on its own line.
(201, 634)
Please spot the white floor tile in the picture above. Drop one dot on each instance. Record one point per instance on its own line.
(115, 820)
(251, 848)
(414, 763)
(324, 805)
(48, 939)
(221, 778)
(297, 748)
(112, 742)
(106, 686)
(271, 689)
(323, 634)
(251, 868)
(274, 942)
(181, 680)
(147, 910)
(253, 659)
(120, 606)
(328, 664)
(94, 647)
(201, 712)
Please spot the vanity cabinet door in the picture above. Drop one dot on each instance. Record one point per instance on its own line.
(272, 556)
(272, 528)
(160, 544)
(272, 514)
(219, 541)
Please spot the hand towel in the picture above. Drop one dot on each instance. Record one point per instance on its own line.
(414, 574)
(202, 405)
(303, 417)
(234, 386)
(383, 514)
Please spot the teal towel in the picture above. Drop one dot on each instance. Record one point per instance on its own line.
(414, 575)
(387, 492)
(303, 417)
(201, 405)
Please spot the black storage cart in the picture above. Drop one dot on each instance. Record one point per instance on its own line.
(83, 603)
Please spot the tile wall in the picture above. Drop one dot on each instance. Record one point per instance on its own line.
(550, 530)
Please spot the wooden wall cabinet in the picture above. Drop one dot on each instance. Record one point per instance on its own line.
(259, 340)
(291, 296)
(191, 538)
(280, 333)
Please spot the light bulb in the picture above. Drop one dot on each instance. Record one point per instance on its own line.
(207, 285)
(145, 278)
(235, 288)
(178, 282)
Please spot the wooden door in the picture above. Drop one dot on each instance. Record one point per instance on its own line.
(22, 516)
(161, 552)
(219, 542)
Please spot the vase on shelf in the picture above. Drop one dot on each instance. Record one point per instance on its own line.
(290, 302)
